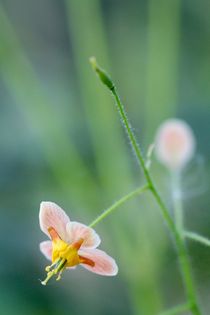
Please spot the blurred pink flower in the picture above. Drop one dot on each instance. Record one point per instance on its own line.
(174, 144)
(71, 244)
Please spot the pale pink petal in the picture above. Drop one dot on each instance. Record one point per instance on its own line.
(104, 264)
(46, 249)
(175, 143)
(51, 215)
(78, 230)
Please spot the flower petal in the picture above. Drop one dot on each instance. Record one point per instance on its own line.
(46, 249)
(51, 215)
(78, 230)
(104, 264)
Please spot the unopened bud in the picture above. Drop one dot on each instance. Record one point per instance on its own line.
(175, 144)
(102, 74)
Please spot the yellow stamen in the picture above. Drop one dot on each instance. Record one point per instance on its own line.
(60, 266)
(48, 268)
(59, 275)
(63, 255)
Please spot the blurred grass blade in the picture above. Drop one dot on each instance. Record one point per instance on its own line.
(22, 81)
(180, 309)
(88, 39)
(162, 62)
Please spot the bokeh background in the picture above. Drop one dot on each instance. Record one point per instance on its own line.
(61, 140)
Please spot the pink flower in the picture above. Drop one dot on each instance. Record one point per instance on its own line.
(175, 143)
(71, 244)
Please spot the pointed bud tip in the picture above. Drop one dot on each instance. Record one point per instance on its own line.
(93, 62)
(104, 77)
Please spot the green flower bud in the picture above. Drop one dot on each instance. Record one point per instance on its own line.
(102, 74)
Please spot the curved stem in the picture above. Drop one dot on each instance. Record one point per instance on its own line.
(179, 309)
(118, 203)
(180, 244)
(196, 237)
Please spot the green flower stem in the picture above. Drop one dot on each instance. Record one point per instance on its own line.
(177, 200)
(118, 203)
(180, 309)
(181, 248)
(180, 244)
(196, 237)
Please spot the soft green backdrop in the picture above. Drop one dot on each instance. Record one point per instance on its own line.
(61, 140)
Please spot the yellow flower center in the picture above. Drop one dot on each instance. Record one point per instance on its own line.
(64, 255)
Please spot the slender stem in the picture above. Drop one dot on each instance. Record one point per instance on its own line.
(180, 244)
(182, 255)
(181, 248)
(131, 136)
(177, 309)
(177, 200)
(196, 237)
(118, 203)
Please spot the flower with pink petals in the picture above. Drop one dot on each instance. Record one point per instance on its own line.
(175, 144)
(72, 244)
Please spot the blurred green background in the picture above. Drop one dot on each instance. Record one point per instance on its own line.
(61, 140)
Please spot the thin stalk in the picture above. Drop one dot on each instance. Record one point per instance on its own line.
(180, 309)
(177, 200)
(180, 244)
(196, 237)
(181, 248)
(118, 203)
